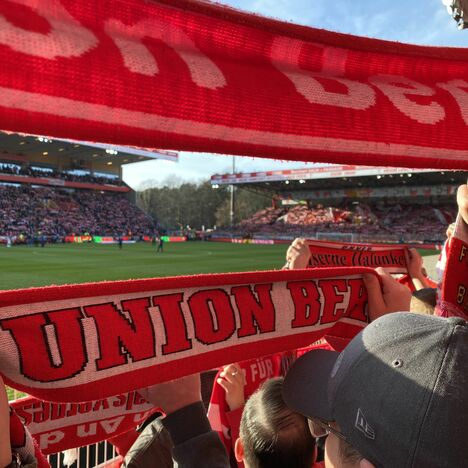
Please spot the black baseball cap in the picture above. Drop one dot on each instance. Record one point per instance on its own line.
(398, 391)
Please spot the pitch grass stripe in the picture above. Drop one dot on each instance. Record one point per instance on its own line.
(24, 267)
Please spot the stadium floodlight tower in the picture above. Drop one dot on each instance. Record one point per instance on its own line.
(458, 10)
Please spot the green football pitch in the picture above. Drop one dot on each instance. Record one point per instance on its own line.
(23, 266)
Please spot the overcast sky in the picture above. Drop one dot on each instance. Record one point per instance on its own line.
(417, 21)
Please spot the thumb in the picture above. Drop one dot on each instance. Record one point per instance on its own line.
(375, 300)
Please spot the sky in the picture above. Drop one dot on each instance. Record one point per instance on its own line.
(424, 22)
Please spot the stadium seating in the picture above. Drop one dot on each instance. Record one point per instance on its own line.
(73, 177)
(383, 221)
(54, 213)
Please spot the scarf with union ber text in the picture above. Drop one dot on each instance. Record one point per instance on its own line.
(97, 343)
(193, 75)
(91, 341)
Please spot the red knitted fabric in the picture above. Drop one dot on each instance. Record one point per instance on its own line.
(342, 254)
(61, 426)
(256, 371)
(191, 75)
(90, 341)
(453, 299)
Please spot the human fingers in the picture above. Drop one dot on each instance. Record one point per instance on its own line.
(389, 283)
(397, 296)
(415, 255)
(295, 247)
(232, 373)
(227, 386)
(375, 300)
(299, 255)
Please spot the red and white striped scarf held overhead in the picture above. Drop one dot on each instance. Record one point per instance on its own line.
(191, 75)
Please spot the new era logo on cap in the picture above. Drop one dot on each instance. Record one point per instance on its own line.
(362, 425)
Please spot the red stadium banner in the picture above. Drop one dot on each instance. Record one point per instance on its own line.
(91, 341)
(191, 75)
(325, 254)
(61, 426)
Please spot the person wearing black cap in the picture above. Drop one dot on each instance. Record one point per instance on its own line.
(396, 396)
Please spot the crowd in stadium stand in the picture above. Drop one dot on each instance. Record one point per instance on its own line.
(392, 220)
(55, 213)
(26, 212)
(64, 175)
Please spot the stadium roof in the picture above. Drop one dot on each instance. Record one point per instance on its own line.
(329, 171)
(69, 154)
(322, 177)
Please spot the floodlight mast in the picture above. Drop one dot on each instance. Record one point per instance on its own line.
(458, 10)
(231, 211)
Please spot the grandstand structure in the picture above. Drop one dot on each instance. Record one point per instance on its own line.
(55, 190)
(350, 203)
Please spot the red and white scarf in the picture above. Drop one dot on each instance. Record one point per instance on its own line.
(61, 426)
(344, 254)
(255, 372)
(453, 291)
(91, 341)
(193, 75)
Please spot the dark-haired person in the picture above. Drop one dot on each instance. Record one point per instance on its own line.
(271, 434)
(233, 385)
(397, 396)
(160, 242)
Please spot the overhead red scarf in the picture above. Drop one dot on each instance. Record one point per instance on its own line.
(91, 341)
(191, 75)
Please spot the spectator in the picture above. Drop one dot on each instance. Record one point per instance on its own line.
(423, 301)
(382, 399)
(25, 211)
(232, 386)
(271, 435)
(30, 171)
(152, 448)
(389, 221)
(195, 443)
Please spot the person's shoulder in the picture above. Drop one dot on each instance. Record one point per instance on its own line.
(153, 445)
